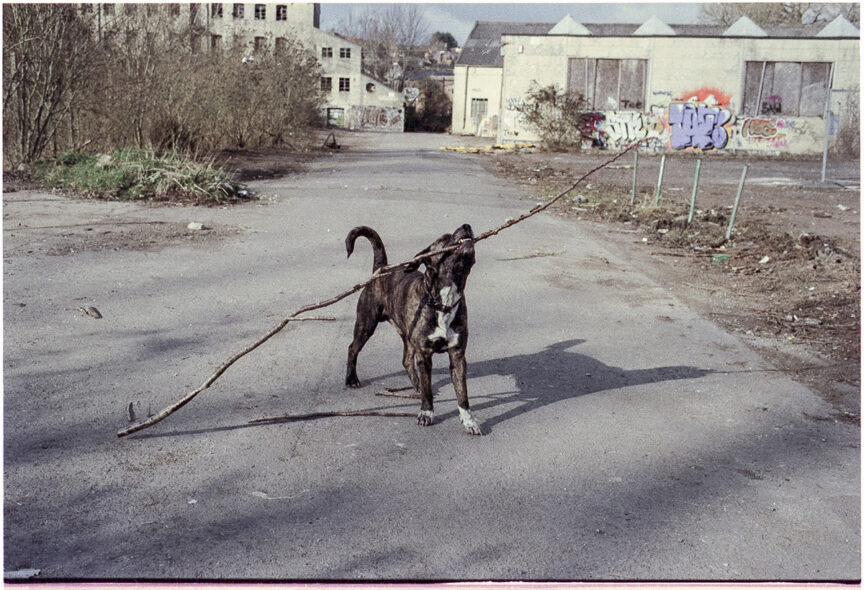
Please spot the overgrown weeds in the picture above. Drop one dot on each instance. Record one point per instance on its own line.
(136, 174)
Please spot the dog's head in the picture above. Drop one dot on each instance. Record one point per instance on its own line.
(449, 268)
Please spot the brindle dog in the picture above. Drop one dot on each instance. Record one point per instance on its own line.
(428, 311)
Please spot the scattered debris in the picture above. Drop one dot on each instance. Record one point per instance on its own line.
(130, 411)
(720, 258)
(765, 260)
(197, 226)
(91, 311)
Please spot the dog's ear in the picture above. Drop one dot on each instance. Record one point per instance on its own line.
(415, 265)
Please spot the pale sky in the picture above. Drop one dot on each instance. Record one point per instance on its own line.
(458, 18)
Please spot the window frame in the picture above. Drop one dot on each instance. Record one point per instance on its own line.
(237, 11)
(326, 53)
(344, 53)
(281, 12)
(344, 84)
(764, 106)
(260, 12)
(476, 114)
(590, 67)
(216, 10)
(327, 84)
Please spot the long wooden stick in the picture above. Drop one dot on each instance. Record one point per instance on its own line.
(385, 270)
(222, 368)
(287, 417)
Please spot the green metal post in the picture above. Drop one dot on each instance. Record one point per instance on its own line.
(660, 180)
(737, 201)
(635, 167)
(695, 190)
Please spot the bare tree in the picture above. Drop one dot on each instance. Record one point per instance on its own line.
(387, 33)
(49, 57)
(74, 75)
(777, 13)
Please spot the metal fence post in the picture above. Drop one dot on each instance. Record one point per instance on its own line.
(635, 167)
(737, 201)
(660, 180)
(695, 190)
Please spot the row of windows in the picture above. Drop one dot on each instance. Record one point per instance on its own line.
(260, 42)
(770, 87)
(344, 52)
(110, 9)
(327, 84)
(238, 11)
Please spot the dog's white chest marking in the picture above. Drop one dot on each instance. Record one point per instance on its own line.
(450, 298)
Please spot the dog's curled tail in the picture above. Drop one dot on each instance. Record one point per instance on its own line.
(380, 255)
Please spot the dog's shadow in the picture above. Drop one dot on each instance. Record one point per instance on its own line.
(551, 375)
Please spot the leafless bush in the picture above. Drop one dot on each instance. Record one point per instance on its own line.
(141, 80)
(555, 114)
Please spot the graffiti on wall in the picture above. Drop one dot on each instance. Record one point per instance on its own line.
(708, 96)
(589, 125)
(513, 103)
(621, 128)
(698, 126)
(772, 105)
(487, 127)
(375, 117)
(771, 132)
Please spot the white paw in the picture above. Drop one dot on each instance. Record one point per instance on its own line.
(425, 417)
(471, 425)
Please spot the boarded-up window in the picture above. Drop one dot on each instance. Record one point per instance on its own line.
(784, 87)
(608, 84)
(215, 42)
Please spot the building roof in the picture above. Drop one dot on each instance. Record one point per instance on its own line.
(483, 46)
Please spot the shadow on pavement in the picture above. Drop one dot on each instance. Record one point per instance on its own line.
(551, 375)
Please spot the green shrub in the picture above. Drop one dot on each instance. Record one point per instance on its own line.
(132, 174)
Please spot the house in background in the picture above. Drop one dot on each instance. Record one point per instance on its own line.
(741, 88)
(354, 100)
(477, 77)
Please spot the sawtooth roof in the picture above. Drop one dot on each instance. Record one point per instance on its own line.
(483, 46)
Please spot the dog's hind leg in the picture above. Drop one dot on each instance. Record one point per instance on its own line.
(458, 370)
(410, 366)
(363, 330)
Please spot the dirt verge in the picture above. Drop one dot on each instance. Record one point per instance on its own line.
(787, 281)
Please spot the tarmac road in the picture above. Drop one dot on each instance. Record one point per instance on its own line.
(626, 438)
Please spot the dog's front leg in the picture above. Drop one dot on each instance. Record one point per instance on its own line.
(423, 368)
(458, 374)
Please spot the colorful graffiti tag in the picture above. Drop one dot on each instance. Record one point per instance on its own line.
(707, 96)
(698, 126)
(760, 128)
